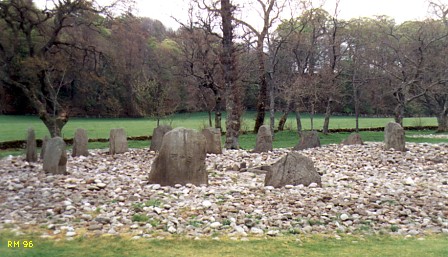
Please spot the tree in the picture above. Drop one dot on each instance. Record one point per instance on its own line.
(38, 52)
(232, 90)
(200, 49)
(268, 8)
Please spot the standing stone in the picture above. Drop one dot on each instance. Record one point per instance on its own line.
(292, 169)
(118, 142)
(264, 140)
(181, 159)
(309, 139)
(44, 145)
(31, 148)
(80, 142)
(55, 156)
(157, 137)
(213, 139)
(394, 137)
(353, 139)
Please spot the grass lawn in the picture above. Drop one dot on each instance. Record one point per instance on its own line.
(280, 246)
(15, 127)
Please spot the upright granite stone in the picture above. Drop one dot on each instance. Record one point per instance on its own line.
(31, 147)
(181, 159)
(157, 137)
(80, 143)
(353, 139)
(55, 156)
(264, 140)
(118, 142)
(44, 145)
(213, 139)
(394, 137)
(309, 139)
(292, 169)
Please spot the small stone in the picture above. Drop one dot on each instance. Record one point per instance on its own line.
(272, 233)
(256, 231)
(409, 182)
(172, 230)
(215, 224)
(70, 234)
(206, 204)
(344, 217)
(101, 185)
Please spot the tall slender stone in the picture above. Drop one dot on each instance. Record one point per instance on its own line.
(157, 137)
(118, 143)
(264, 140)
(213, 138)
(55, 156)
(80, 143)
(309, 139)
(394, 137)
(44, 145)
(31, 147)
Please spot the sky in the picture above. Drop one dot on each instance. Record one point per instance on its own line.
(401, 10)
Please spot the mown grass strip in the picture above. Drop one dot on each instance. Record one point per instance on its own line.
(178, 246)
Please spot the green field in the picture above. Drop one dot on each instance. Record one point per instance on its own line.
(280, 246)
(14, 127)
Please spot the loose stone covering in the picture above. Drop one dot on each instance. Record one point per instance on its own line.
(292, 169)
(213, 139)
(394, 137)
(44, 145)
(309, 139)
(353, 139)
(31, 151)
(181, 159)
(118, 142)
(55, 156)
(80, 142)
(157, 137)
(264, 140)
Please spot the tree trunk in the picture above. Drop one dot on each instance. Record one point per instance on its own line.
(262, 95)
(218, 114)
(282, 121)
(299, 122)
(54, 124)
(312, 117)
(210, 124)
(356, 100)
(442, 121)
(327, 117)
(399, 113)
(229, 69)
(271, 108)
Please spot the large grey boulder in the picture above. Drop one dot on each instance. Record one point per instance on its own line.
(118, 142)
(394, 137)
(213, 139)
(264, 140)
(353, 139)
(55, 156)
(181, 159)
(44, 145)
(309, 139)
(157, 137)
(292, 169)
(31, 146)
(80, 143)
